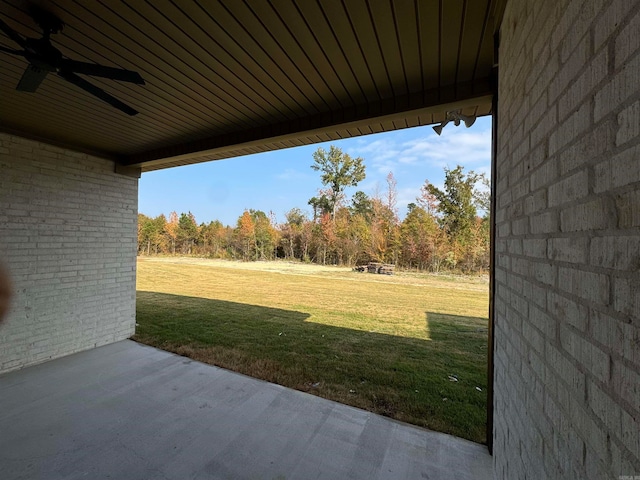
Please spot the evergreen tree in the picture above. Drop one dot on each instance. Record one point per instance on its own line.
(187, 232)
(362, 205)
(456, 203)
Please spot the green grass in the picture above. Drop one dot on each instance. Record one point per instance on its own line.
(385, 344)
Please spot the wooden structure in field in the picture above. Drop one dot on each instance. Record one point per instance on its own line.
(374, 267)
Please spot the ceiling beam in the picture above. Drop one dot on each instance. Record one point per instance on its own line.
(433, 101)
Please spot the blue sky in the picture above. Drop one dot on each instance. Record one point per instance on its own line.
(281, 180)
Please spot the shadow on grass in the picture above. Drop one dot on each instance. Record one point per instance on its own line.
(404, 378)
(456, 330)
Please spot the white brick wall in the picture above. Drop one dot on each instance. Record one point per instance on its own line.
(68, 238)
(567, 326)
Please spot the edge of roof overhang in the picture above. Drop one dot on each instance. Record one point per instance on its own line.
(225, 146)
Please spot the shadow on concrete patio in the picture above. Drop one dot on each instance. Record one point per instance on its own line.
(130, 411)
(404, 378)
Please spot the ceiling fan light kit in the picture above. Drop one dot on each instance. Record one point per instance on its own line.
(44, 58)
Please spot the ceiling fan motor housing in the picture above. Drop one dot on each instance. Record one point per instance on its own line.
(47, 21)
(41, 53)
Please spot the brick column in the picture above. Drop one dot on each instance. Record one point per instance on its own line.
(567, 328)
(68, 237)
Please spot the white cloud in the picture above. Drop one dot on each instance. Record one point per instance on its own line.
(408, 159)
(455, 146)
(375, 146)
(451, 148)
(407, 195)
(486, 169)
(368, 185)
(291, 174)
(381, 155)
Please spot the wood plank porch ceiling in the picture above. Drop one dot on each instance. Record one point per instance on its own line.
(230, 77)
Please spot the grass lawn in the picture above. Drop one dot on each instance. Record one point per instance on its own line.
(393, 345)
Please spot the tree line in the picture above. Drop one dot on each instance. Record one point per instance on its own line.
(441, 231)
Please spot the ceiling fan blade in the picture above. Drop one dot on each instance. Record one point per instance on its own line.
(101, 71)
(96, 91)
(31, 78)
(12, 34)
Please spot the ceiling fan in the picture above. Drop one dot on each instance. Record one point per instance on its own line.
(44, 58)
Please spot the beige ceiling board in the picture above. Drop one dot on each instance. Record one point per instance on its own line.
(263, 45)
(361, 22)
(307, 27)
(228, 77)
(405, 16)
(343, 29)
(225, 79)
(158, 54)
(472, 40)
(204, 83)
(451, 22)
(293, 59)
(428, 15)
(386, 25)
(216, 30)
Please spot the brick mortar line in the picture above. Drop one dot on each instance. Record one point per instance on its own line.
(605, 309)
(542, 408)
(584, 402)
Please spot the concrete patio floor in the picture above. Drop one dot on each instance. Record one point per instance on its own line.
(128, 411)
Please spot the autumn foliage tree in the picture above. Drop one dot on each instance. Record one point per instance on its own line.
(457, 213)
(266, 236)
(421, 240)
(214, 239)
(171, 230)
(294, 238)
(151, 234)
(245, 235)
(441, 230)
